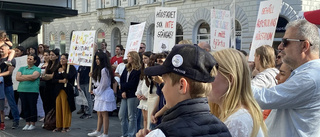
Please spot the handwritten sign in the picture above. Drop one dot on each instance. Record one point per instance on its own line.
(20, 62)
(220, 29)
(134, 38)
(266, 25)
(165, 28)
(82, 48)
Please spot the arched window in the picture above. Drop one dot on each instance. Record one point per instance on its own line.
(203, 33)
(100, 38)
(150, 38)
(238, 34)
(280, 30)
(115, 39)
(51, 41)
(179, 33)
(62, 42)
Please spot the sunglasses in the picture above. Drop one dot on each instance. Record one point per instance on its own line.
(285, 41)
(142, 47)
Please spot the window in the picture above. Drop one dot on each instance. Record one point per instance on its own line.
(62, 42)
(203, 33)
(51, 41)
(100, 38)
(102, 3)
(74, 4)
(133, 2)
(280, 30)
(87, 6)
(179, 33)
(150, 38)
(238, 34)
(15, 40)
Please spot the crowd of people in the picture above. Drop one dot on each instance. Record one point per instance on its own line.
(188, 91)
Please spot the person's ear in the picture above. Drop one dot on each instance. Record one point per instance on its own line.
(183, 86)
(306, 46)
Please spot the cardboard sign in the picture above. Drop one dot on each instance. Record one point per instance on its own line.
(266, 25)
(220, 29)
(20, 62)
(164, 29)
(134, 38)
(81, 49)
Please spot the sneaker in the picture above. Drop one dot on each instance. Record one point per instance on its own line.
(42, 119)
(88, 116)
(83, 116)
(7, 118)
(25, 127)
(80, 111)
(94, 134)
(15, 125)
(103, 135)
(2, 126)
(8, 63)
(31, 127)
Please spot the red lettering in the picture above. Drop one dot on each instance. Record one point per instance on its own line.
(169, 24)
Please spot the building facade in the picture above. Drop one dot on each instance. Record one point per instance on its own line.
(111, 20)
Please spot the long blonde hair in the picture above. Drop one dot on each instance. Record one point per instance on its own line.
(234, 67)
(135, 64)
(267, 56)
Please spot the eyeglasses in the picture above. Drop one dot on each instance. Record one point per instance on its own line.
(285, 41)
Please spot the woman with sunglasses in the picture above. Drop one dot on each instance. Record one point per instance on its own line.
(231, 98)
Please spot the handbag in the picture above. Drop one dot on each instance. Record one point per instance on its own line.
(50, 120)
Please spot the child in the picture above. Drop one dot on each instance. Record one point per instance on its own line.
(2, 126)
(186, 73)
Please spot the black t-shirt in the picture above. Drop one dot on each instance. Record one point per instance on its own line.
(84, 74)
(4, 68)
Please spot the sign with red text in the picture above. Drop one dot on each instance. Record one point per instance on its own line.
(266, 25)
(164, 29)
(220, 29)
(134, 38)
(81, 49)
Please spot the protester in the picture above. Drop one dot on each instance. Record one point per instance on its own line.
(129, 81)
(186, 73)
(185, 42)
(5, 40)
(65, 105)
(278, 59)
(297, 101)
(117, 59)
(232, 98)
(83, 86)
(33, 50)
(49, 98)
(142, 48)
(20, 51)
(28, 89)
(205, 46)
(104, 48)
(264, 60)
(43, 66)
(41, 52)
(2, 98)
(104, 95)
(6, 73)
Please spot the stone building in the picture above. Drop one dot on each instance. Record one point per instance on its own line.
(111, 20)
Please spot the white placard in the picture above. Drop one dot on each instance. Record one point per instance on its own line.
(220, 29)
(81, 48)
(134, 38)
(266, 25)
(165, 29)
(20, 62)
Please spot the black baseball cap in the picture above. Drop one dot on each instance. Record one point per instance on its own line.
(186, 60)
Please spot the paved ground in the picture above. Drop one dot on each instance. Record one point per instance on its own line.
(79, 128)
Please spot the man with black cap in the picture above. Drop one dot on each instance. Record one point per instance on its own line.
(186, 76)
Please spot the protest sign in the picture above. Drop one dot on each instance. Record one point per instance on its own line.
(20, 62)
(220, 29)
(165, 29)
(81, 49)
(266, 24)
(134, 38)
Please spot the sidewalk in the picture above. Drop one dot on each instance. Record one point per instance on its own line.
(79, 128)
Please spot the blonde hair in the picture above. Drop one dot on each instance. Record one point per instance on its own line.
(267, 56)
(196, 89)
(135, 64)
(185, 42)
(233, 66)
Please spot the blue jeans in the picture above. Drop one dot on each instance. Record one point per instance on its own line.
(128, 116)
(8, 91)
(85, 89)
